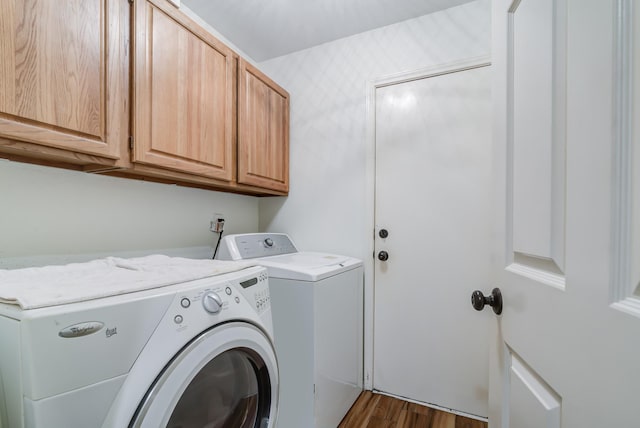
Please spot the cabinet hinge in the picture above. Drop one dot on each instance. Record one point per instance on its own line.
(130, 142)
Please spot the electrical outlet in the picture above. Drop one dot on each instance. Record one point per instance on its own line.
(217, 223)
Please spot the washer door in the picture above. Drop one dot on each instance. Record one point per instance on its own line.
(225, 378)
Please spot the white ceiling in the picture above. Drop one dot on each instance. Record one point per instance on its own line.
(265, 29)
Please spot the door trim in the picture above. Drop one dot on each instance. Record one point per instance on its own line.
(371, 87)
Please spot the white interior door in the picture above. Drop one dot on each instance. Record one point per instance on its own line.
(432, 196)
(566, 350)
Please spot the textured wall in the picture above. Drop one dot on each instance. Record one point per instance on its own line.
(327, 206)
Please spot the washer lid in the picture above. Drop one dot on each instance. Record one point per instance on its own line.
(307, 266)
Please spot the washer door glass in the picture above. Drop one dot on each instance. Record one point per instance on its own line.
(227, 377)
(225, 393)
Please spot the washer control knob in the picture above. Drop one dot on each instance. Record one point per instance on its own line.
(212, 302)
(268, 242)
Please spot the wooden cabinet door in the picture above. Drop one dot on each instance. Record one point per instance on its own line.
(64, 74)
(263, 137)
(184, 83)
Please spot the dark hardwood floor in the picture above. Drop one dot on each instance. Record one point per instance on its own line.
(380, 411)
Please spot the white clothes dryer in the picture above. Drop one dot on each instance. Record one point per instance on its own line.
(317, 304)
(196, 353)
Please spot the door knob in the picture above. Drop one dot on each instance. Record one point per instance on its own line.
(383, 233)
(383, 256)
(479, 300)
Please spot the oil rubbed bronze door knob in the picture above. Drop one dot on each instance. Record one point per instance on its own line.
(383, 256)
(479, 300)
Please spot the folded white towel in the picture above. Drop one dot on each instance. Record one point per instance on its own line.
(55, 285)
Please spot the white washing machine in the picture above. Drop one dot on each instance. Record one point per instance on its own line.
(193, 354)
(317, 303)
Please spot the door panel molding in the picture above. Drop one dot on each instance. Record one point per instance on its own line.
(625, 272)
(536, 125)
(539, 270)
(531, 399)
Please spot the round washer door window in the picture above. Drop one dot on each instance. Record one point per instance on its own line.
(225, 378)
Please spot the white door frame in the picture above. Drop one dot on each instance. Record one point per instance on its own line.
(372, 86)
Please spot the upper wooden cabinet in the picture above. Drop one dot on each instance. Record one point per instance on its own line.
(263, 130)
(64, 77)
(136, 88)
(184, 86)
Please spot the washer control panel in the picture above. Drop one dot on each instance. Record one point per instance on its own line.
(215, 299)
(256, 291)
(254, 245)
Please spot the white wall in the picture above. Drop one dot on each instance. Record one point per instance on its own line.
(50, 211)
(327, 208)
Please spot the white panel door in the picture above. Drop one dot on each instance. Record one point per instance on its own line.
(433, 187)
(566, 350)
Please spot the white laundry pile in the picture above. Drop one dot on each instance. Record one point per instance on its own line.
(55, 285)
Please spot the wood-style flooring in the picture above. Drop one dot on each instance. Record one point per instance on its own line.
(373, 410)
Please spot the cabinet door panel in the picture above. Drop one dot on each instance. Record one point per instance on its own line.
(184, 89)
(279, 137)
(263, 140)
(64, 73)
